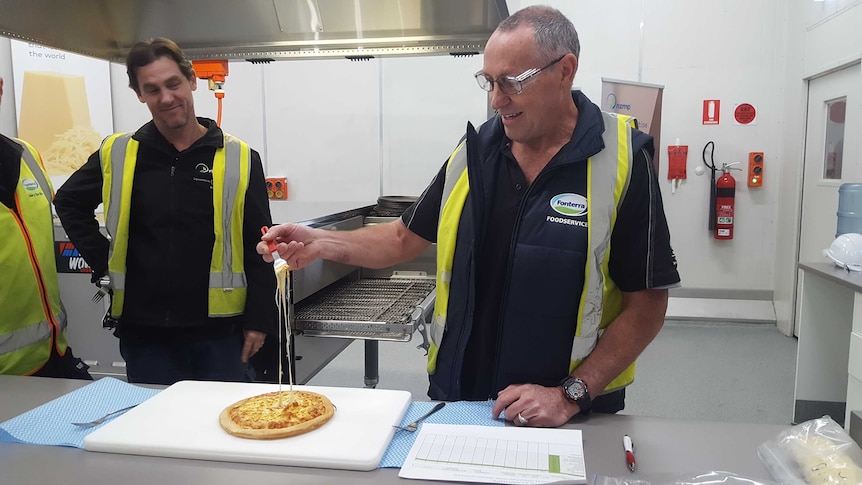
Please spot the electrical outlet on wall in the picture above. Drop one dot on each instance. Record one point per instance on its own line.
(276, 188)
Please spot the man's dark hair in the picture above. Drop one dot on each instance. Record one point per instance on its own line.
(553, 32)
(148, 51)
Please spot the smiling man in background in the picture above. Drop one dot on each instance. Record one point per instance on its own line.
(184, 203)
(32, 317)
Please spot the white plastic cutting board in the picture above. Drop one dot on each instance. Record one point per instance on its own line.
(182, 422)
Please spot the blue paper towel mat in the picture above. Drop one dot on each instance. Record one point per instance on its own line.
(51, 423)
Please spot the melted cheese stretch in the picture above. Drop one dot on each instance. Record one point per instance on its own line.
(282, 301)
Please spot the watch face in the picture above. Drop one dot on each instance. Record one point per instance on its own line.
(576, 390)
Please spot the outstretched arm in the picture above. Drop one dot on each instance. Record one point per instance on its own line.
(370, 247)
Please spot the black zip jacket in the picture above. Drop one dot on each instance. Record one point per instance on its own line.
(10, 170)
(171, 236)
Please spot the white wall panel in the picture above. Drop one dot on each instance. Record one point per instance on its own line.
(832, 35)
(426, 103)
(719, 54)
(242, 105)
(129, 112)
(323, 128)
(700, 50)
(609, 33)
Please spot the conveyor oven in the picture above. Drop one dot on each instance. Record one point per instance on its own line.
(337, 301)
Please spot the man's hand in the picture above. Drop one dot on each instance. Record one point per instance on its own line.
(294, 243)
(540, 406)
(253, 342)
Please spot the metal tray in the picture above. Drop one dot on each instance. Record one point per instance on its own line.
(367, 308)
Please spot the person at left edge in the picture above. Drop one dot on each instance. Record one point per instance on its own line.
(32, 317)
(184, 203)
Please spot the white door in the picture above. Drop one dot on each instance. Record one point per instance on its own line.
(831, 156)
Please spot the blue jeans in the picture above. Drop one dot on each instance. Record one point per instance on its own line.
(158, 362)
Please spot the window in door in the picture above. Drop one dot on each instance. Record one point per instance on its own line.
(834, 155)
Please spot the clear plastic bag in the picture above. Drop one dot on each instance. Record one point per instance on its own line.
(708, 478)
(816, 452)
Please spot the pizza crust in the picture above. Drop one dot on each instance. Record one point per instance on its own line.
(260, 417)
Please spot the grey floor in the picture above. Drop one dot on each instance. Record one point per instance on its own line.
(713, 371)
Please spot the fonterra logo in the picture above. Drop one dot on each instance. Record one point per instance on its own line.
(202, 168)
(30, 185)
(612, 103)
(572, 205)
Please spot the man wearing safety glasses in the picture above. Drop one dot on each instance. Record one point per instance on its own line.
(553, 251)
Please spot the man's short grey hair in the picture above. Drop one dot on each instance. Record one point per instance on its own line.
(553, 32)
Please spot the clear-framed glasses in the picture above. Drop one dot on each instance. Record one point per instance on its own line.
(512, 84)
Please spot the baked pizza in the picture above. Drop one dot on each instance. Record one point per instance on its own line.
(277, 415)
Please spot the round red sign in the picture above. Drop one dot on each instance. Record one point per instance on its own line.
(744, 114)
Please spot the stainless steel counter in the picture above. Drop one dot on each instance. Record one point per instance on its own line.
(662, 446)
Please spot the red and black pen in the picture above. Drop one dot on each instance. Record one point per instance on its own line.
(629, 447)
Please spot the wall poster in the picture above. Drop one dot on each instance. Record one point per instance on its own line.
(63, 105)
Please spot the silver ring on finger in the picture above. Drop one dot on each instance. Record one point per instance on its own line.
(522, 419)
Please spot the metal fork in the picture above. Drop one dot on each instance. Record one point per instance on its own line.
(415, 424)
(96, 422)
(104, 285)
(99, 295)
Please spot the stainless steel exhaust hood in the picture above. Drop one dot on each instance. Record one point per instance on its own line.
(257, 29)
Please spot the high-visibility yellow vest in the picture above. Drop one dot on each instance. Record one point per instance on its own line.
(608, 174)
(231, 167)
(32, 318)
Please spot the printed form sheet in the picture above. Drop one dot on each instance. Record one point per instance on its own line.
(496, 455)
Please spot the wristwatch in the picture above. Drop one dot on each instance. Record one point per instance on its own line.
(576, 391)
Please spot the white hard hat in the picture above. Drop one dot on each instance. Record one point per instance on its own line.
(846, 251)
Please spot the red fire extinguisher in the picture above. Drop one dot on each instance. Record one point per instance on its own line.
(725, 189)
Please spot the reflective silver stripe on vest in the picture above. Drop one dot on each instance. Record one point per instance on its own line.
(34, 167)
(112, 215)
(457, 165)
(29, 335)
(228, 278)
(603, 170)
(61, 318)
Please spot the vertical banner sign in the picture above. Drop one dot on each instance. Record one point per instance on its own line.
(643, 101)
(63, 103)
(711, 111)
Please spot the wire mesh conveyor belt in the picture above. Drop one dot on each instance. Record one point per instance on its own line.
(369, 308)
